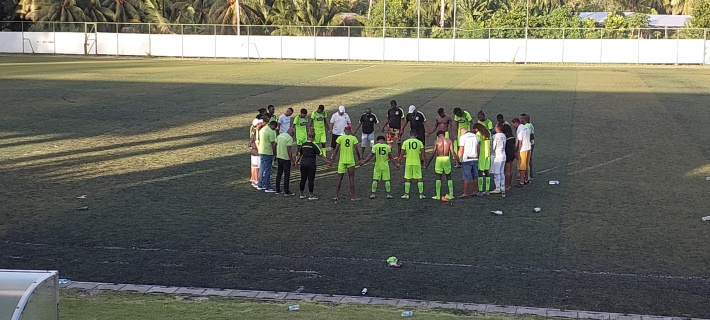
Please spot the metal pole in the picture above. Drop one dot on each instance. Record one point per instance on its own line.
(314, 42)
(454, 36)
(563, 45)
(384, 16)
(677, 46)
(22, 25)
(239, 11)
(638, 47)
(705, 47)
(248, 44)
(419, 15)
(527, 25)
(349, 43)
(601, 45)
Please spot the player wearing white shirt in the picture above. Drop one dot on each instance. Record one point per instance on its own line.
(523, 151)
(498, 161)
(525, 119)
(469, 147)
(285, 121)
(338, 122)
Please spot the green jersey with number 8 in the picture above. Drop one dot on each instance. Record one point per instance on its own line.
(347, 143)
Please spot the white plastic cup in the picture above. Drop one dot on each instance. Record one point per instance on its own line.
(537, 209)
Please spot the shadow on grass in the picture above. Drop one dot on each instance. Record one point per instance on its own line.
(166, 170)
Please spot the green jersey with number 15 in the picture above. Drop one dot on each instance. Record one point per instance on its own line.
(382, 152)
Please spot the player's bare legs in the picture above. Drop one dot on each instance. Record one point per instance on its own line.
(351, 177)
(337, 186)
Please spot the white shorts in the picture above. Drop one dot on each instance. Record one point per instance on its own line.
(498, 167)
(255, 161)
(368, 140)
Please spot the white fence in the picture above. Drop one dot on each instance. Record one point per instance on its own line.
(654, 51)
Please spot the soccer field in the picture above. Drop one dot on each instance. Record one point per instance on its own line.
(159, 146)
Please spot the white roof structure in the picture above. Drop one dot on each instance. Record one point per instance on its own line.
(668, 20)
(654, 20)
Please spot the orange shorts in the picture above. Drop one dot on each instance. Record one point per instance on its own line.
(524, 161)
(394, 135)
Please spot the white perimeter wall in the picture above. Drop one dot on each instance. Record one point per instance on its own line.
(344, 48)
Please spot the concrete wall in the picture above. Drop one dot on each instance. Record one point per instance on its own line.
(661, 51)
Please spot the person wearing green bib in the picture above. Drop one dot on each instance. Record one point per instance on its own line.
(413, 167)
(381, 152)
(345, 144)
(319, 123)
(485, 122)
(484, 159)
(300, 123)
(463, 118)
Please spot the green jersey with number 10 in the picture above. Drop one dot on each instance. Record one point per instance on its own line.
(413, 147)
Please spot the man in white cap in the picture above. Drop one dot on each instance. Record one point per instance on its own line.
(418, 123)
(338, 122)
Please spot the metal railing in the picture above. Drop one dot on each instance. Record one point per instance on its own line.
(360, 31)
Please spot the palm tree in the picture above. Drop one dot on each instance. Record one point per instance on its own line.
(96, 13)
(681, 6)
(202, 10)
(62, 10)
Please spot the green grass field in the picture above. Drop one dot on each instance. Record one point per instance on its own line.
(133, 306)
(159, 147)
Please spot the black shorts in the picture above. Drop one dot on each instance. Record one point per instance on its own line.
(332, 141)
(421, 136)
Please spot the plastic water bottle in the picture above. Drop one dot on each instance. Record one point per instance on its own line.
(64, 281)
(364, 291)
(407, 313)
(706, 218)
(294, 307)
(554, 182)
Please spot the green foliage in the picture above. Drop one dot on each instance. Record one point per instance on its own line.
(637, 20)
(701, 14)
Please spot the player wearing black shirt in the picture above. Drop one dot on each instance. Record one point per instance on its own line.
(394, 125)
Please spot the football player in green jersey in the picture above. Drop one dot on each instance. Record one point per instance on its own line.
(381, 152)
(346, 162)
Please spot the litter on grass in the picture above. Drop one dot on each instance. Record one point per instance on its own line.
(83, 208)
(706, 218)
(64, 281)
(364, 291)
(294, 307)
(497, 212)
(554, 182)
(407, 313)
(83, 196)
(537, 209)
(707, 178)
